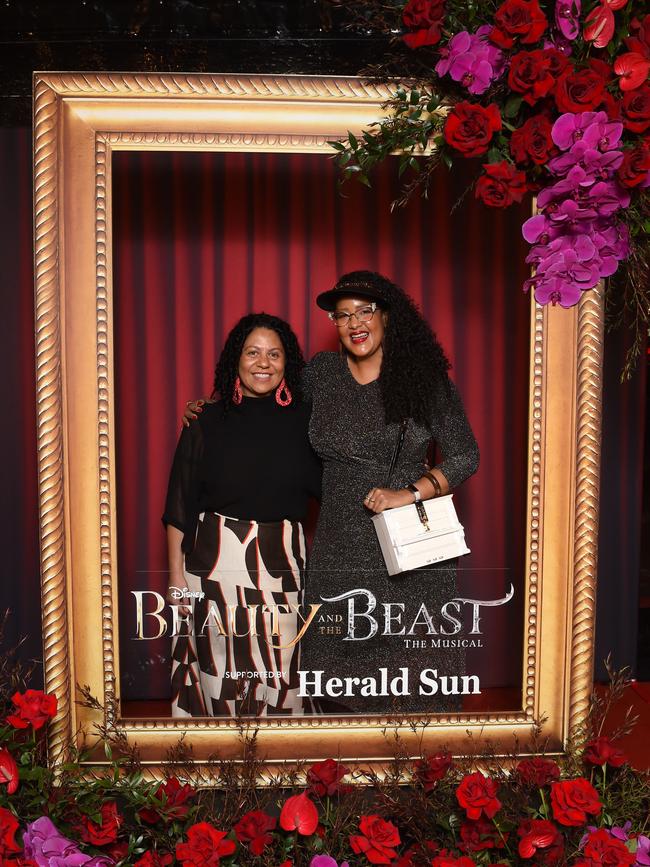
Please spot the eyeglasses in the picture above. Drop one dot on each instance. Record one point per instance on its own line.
(363, 314)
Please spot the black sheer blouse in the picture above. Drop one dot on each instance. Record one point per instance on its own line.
(253, 462)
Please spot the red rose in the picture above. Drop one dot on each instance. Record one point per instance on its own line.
(537, 772)
(518, 19)
(477, 794)
(572, 800)
(254, 828)
(530, 74)
(501, 185)
(205, 846)
(106, 831)
(601, 850)
(8, 771)
(173, 798)
(8, 828)
(424, 17)
(532, 142)
(299, 814)
(536, 834)
(601, 751)
(433, 768)
(579, 90)
(639, 39)
(324, 777)
(469, 128)
(377, 840)
(635, 109)
(635, 167)
(153, 859)
(479, 835)
(34, 708)
(558, 62)
(602, 68)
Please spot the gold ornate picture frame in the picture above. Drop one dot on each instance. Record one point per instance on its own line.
(79, 120)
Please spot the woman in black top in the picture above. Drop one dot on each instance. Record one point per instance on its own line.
(239, 487)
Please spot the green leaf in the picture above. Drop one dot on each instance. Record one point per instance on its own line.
(415, 97)
(494, 155)
(337, 145)
(353, 141)
(414, 163)
(513, 105)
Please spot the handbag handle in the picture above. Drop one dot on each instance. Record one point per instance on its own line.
(396, 451)
(419, 506)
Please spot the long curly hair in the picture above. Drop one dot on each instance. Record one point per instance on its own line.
(413, 379)
(225, 372)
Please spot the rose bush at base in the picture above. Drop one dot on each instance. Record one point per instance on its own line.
(586, 810)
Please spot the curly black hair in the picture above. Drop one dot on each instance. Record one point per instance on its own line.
(413, 380)
(225, 372)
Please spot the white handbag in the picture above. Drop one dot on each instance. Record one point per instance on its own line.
(410, 539)
(421, 533)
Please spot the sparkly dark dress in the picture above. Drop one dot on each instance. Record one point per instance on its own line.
(349, 434)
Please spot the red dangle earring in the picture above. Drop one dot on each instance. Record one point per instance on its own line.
(286, 400)
(237, 394)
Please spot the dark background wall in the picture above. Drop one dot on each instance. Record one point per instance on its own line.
(247, 36)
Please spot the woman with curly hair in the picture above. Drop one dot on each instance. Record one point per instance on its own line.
(390, 368)
(238, 491)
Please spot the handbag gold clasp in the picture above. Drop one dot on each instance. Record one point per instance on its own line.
(422, 515)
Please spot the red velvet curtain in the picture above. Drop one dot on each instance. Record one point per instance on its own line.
(19, 578)
(202, 239)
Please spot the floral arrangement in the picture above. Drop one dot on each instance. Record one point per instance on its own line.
(553, 98)
(586, 810)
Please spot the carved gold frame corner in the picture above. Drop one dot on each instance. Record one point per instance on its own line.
(79, 119)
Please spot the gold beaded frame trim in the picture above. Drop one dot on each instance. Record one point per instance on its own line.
(79, 119)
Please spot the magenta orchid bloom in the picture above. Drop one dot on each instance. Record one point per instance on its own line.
(47, 847)
(326, 861)
(570, 128)
(471, 60)
(567, 18)
(595, 164)
(554, 291)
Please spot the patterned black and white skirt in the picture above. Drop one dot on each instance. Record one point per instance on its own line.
(237, 654)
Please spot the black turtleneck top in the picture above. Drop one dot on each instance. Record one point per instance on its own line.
(253, 462)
